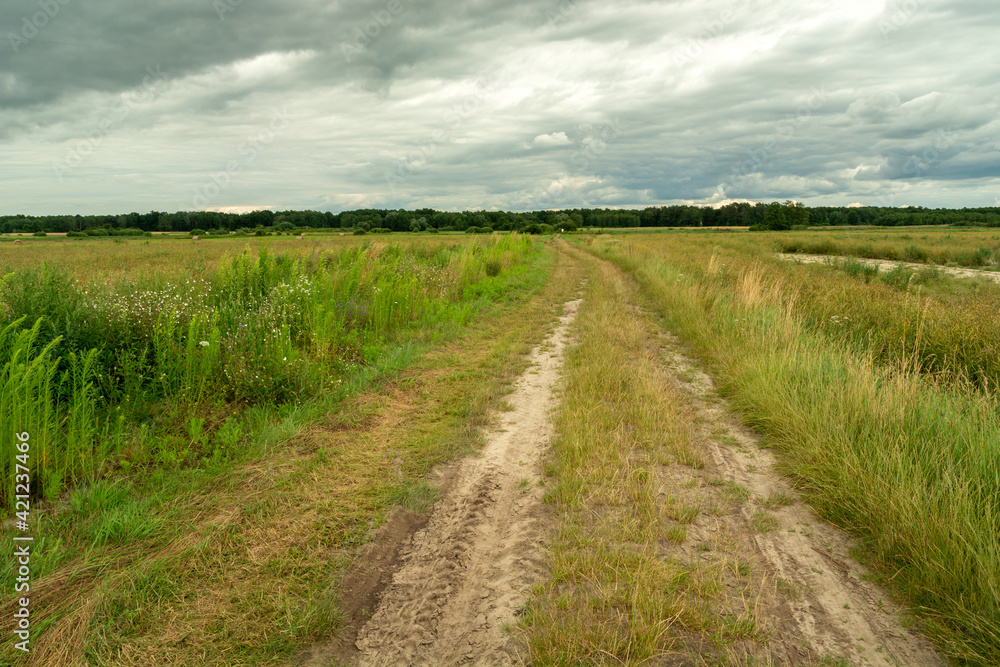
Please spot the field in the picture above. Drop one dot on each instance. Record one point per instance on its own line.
(640, 448)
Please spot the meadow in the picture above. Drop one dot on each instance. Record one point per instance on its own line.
(880, 397)
(969, 247)
(161, 372)
(219, 427)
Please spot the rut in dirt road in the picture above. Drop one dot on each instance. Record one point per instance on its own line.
(820, 603)
(466, 575)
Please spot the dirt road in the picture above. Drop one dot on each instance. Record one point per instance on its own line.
(466, 575)
(819, 602)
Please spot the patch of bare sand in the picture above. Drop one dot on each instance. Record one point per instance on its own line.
(886, 265)
(466, 575)
(817, 602)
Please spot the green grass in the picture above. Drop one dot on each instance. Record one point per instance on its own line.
(908, 463)
(227, 521)
(974, 248)
(145, 373)
(612, 595)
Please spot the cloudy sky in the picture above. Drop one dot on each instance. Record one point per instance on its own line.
(109, 106)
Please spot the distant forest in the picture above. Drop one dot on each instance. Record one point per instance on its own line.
(757, 216)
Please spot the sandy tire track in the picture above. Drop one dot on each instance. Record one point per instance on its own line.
(466, 575)
(835, 611)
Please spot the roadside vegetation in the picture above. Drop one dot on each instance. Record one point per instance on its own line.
(880, 399)
(973, 248)
(165, 414)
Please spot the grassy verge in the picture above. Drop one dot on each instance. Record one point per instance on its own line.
(910, 466)
(623, 434)
(953, 247)
(245, 557)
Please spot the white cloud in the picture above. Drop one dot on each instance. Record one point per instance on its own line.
(553, 139)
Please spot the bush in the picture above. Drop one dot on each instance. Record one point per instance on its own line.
(545, 229)
(472, 230)
(381, 230)
(197, 232)
(360, 231)
(39, 233)
(74, 234)
(97, 231)
(533, 228)
(484, 230)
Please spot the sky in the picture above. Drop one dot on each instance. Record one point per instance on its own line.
(111, 106)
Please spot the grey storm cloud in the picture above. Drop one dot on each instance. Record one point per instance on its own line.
(239, 104)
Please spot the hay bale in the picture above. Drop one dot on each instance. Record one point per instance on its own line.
(195, 238)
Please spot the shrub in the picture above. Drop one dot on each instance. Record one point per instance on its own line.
(484, 230)
(360, 231)
(39, 233)
(197, 232)
(472, 230)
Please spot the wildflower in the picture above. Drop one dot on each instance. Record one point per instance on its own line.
(203, 343)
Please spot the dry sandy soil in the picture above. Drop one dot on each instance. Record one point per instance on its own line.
(467, 573)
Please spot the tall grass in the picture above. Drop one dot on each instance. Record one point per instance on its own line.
(909, 465)
(972, 248)
(86, 362)
(941, 326)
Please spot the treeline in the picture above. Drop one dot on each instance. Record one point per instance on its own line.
(742, 214)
